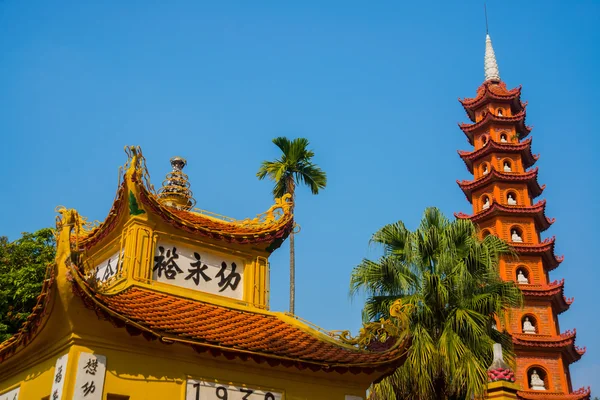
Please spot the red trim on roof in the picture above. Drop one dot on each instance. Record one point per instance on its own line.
(564, 342)
(553, 292)
(537, 211)
(545, 249)
(518, 120)
(580, 394)
(524, 148)
(530, 178)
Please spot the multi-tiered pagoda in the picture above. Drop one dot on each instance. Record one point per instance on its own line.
(503, 194)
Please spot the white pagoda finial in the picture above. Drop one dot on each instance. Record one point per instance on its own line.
(490, 64)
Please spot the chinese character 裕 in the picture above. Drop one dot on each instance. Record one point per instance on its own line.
(91, 366)
(58, 377)
(198, 271)
(168, 266)
(232, 280)
(88, 388)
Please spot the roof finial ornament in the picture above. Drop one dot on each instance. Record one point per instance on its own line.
(492, 73)
(175, 191)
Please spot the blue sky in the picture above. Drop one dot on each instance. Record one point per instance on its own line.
(373, 86)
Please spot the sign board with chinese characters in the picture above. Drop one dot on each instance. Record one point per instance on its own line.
(89, 382)
(60, 372)
(12, 395)
(108, 268)
(198, 270)
(201, 390)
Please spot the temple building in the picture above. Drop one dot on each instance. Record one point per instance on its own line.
(165, 301)
(502, 194)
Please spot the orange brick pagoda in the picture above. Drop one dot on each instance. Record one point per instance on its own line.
(502, 194)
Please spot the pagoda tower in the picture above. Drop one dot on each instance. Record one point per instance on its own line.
(503, 194)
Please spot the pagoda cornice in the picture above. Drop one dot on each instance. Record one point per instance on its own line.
(580, 394)
(565, 342)
(544, 249)
(492, 91)
(530, 178)
(491, 146)
(553, 292)
(537, 211)
(518, 120)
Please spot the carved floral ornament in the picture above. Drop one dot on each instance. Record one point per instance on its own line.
(383, 331)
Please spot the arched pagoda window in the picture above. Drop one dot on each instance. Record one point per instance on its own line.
(485, 169)
(529, 324)
(516, 234)
(503, 138)
(522, 275)
(485, 202)
(500, 112)
(511, 198)
(537, 378)
(507, 166)
(485, 233)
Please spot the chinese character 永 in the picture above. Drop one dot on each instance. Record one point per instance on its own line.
(198, 271)
(232, 280)
(168, 266)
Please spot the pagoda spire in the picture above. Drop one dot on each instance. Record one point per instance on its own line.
(490, 65)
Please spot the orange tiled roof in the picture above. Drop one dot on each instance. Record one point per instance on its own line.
(231, 332)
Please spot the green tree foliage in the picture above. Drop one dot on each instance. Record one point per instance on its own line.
(23, 266)
(449, 280)
(294, 167)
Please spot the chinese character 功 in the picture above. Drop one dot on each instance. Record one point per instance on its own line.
(170, 267)
(58, 377)
(88, 388)
(91, 366)
(198, 271)
(232, 280)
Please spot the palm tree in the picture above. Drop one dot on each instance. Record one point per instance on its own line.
(294, 167)
(448, 279)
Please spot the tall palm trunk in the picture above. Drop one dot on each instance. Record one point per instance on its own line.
(292, 274)
(291, 189)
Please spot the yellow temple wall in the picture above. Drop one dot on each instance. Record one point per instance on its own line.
(160, 371)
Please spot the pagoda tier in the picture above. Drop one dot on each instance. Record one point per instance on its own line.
(491, 91)
(517, 121)
(523, 149)
(581, 394)
(565, 342)
(537, 212)
(530, 178)
(553, 292)
(544, 249)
